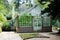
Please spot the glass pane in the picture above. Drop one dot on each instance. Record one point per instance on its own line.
(25, 21)
(46, 21)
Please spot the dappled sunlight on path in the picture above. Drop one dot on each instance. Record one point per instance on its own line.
(9, 36)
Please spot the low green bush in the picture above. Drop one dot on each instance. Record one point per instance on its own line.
(6, 26)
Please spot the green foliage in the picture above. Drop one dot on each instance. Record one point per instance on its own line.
(3, 11)
(2, 18)
(17, 3)
(1, 5)
(3, 8)
(6, 25)
(42, 6)
(53, 10)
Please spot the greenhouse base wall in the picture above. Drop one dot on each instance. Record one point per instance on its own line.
(30, 29)
(25, 29)
(47, 29)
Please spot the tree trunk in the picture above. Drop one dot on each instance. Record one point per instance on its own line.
(17, 23)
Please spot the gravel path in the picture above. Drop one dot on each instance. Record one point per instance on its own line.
(9, 36)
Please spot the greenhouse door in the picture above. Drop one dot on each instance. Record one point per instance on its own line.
(25, 24)
(37, 25)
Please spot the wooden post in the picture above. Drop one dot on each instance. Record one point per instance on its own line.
(51, 22)
(42, 23)
(17, 23)
(32, 22)
(1, 27)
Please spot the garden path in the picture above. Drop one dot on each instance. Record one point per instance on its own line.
(9, 36)
(52, 36)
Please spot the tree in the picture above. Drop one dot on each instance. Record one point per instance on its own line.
(3, 19)
(53, 10)
(42, 4)
(17, 4)
(3, 10)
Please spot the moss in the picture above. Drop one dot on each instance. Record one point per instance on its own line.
(28, 35)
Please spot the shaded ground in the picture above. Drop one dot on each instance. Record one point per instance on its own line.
(40, 36)
(30, 36)
(9, 36)
(46, 36)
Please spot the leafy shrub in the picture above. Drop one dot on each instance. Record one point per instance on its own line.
(9, 16)
(4, 21)
(6, 26)
(3, 18)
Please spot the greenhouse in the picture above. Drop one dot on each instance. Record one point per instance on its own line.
(29, 23)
